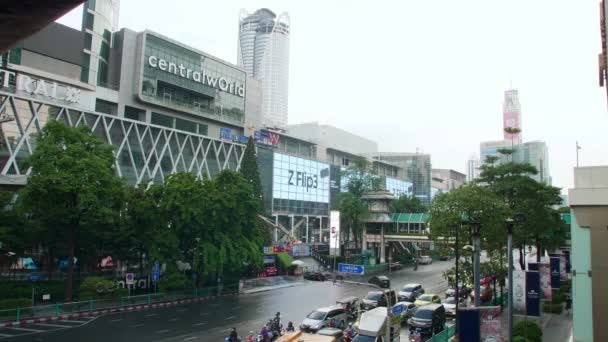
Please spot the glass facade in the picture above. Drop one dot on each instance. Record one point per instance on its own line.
(398, 187)
(299, 186)
(189, 81)
(143, 152)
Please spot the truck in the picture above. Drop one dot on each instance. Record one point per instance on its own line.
(373, 326)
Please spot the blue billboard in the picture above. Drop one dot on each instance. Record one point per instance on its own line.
(555, 271)
(533, 293)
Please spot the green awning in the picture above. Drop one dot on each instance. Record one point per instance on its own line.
(410, 217)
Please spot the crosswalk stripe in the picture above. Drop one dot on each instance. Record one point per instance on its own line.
(70, 321)
(25, 329)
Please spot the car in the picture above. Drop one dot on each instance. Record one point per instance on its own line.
(427, 320)
(450, 305)
(425, 260)
(374, 299)
(408, 310)
(444, 257)
(333, 332)
(463, 291)
(380, 281)
(395, 266)
(318, 276)
(334, 315)
(486, 294)
(427, 299)
(409, 292)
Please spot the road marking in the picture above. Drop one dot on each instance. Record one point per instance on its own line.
(150, 315)
(53, 325)
(70, 321)
(236, 307)
(231, 317)
(25, 329)
(116, 320)
(173, 319)
(181, 310)
(6, 335)
(197, 324)
(190, 338)
(204, 313)
(162, 331)
(136, 325)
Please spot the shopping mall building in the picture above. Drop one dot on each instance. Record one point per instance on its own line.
(165, 107)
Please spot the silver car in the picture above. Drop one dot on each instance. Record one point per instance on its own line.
(409, 292)
(334, 316)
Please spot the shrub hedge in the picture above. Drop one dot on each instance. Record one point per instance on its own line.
(529, 330)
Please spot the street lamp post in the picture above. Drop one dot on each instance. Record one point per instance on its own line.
(476, 255)
(457, 292)
(510, 222)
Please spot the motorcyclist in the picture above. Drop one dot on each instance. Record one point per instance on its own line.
(265, 334)
(290, 327)
(234, 336)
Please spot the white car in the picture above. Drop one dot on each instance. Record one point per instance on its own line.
(320, 318)
(425, 260)
(450, 306)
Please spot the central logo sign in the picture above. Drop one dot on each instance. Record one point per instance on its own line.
(199, 76)
(303, 179)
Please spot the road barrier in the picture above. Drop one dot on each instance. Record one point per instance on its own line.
(23, 315)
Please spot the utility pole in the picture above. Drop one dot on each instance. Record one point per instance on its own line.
(476, 252)
(457, 289)
(510, 275)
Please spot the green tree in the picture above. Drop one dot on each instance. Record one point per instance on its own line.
(250, 171)
(408, 204)
(72, 186)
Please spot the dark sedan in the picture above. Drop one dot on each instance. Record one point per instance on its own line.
(318, 276)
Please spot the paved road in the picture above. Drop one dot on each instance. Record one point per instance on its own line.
(211, 320)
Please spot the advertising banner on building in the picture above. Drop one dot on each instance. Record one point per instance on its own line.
(300, 179)
(519, 292)
(300, 250)
(490, 328)
(545, 280)
(533, 293)
(334, 233)
(468, 324)
(554, 263)
(563, 272)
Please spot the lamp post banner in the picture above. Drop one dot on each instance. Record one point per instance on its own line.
(555, 271)
(533, 293)
(519, 292)
(545, 280)
(490, 327)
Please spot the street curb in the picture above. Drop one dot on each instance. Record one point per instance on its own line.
(110, 310)
(270, 288)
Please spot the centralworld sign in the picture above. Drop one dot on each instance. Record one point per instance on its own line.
(200, 76)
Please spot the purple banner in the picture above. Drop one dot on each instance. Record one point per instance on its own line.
(545, 280)
(490, 328)
(533, 293)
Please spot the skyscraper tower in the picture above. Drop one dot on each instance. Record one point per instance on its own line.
(511, 115)
(263, 52)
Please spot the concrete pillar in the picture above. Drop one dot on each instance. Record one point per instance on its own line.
(292, 219)
(320, 228)
(382, 251)
(363, 238)
(276, 230)
(307, 237)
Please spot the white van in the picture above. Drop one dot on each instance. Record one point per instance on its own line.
(372, 326)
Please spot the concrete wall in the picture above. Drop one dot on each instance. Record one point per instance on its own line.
(48, 64)
(581, 283)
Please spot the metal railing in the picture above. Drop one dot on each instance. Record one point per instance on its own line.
(444, 335)
(53, 310)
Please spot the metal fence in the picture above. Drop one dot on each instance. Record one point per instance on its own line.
(444, 335)
(53, 310)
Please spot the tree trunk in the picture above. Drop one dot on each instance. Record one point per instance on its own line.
(70, 270)
(522, 258)
(539, 251)
(500, 283)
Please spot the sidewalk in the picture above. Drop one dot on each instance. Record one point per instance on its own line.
(557, 328)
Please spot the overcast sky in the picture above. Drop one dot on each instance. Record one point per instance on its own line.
(427, 75)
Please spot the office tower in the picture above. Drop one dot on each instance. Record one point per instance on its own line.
(511, 115)
(263, 52)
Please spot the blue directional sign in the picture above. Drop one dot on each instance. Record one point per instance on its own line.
(155, 272)
(398, 309)
(352, 269)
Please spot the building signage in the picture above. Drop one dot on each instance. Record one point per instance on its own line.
(200, 76)
(544, 270)
(226, 134)
(490, 327)
(299, 179)
(39, 87)
(266, 138)
(334, 234)
(532, 293)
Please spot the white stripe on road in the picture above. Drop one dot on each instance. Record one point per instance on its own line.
(136, 325)
(162, 331)
(231, 317)
(189, 338)
(70, 321)
(116, 320)
(181, 310)
(173, 319)
(6, 335)
(25, 329)
(204, 313)
(150, 315)
(53, 325)
(197, 324)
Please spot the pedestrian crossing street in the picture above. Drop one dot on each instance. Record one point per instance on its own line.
(35, 328)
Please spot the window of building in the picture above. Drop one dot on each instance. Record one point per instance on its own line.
(185, 125)
(91, 4)
(88, 20)
(14, 56)
(84, 73)
(203, 129)
(161, 120)
(102, 74)
(107, 35)
(135, 113)
(107, 107)
(104, 51)
(345, 161)
(88, 40)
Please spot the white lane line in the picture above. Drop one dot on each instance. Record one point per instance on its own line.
(116, 320)
(173, 319)
(150, 315)
(181, 310)
(190, 338)
(162, 331)
(197, 324)
(53, 325)
(71, 321)
(231, 317)
(204, 313)
(25, 329)
(6, 335)
(136, 325)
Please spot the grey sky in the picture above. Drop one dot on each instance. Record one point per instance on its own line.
(423, 74)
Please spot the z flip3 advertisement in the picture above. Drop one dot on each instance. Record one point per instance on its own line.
(300, 179)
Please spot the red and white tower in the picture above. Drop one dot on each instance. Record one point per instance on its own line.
(511, 115)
